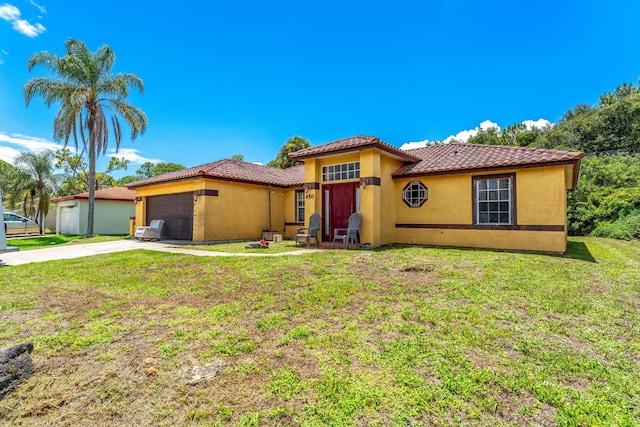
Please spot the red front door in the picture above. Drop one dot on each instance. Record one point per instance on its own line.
(339, 202)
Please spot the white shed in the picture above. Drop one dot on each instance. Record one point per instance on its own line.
(113, 209)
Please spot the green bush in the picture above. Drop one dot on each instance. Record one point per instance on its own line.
(608, 193)
(625, 227)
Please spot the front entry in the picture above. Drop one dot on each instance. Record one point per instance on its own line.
(339, 201)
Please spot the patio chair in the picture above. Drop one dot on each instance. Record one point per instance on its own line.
(311, 231)
(352, 233)
(151, 232)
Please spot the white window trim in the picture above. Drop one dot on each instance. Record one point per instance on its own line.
(336, 172)
(300, 203)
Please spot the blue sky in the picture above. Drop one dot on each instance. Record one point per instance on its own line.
(225, 78)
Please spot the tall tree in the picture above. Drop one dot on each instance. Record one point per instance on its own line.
(37, 181)
(148, 169)
(282, 160)
(90, 96)
(78, 173)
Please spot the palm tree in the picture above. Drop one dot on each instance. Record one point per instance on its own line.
(34, 182)
(90, 98)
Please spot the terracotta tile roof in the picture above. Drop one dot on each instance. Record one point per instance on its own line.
(232, 170)
(350, 144)
(452, 157)
(113, 193)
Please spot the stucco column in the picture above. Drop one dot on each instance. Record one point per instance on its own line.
(313, 193)
(199, 218)
(370, 197)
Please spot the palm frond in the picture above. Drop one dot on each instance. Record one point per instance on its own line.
(46, 59)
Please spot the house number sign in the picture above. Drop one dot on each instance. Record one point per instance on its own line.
(309, 196)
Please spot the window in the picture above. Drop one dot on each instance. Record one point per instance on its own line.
(414, 194)
(340, 172)
(300, 206)
(494, 200)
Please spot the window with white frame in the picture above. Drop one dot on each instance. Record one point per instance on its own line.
(414, 194)
(300, 206)
(341, 171)
(494, 200)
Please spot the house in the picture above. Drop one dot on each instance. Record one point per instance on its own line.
(113, 209)
(453, 194)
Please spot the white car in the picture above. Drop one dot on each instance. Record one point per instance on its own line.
(17, 224)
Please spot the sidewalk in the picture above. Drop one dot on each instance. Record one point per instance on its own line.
(78, 251)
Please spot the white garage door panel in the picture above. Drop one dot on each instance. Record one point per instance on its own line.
(69, 220)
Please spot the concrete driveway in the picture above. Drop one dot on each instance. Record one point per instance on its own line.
(81, 250)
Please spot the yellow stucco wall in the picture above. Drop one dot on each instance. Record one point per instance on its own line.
(289, 210)
(540, 201)
(449, 200)
(541, 196)
(388, 195)
(240, 211)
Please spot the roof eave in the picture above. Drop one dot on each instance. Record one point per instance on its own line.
(492, 168)
(220, 178)
(375, 144)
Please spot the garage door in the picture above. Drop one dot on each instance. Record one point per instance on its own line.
(177, 212)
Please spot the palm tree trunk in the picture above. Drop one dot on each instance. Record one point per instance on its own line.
(41, 211)
(92, 182)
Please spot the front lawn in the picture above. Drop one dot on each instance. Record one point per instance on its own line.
(400, 336)
(38, 242)
(239, 247)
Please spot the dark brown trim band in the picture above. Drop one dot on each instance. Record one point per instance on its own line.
(370, 180)
(485, 227)
(213, 193)
(311, 186)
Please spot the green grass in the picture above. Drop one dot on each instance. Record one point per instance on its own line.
(239, 247)
(38, 242)
(395, 336)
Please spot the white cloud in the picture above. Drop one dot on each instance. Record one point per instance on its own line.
(540, 124)
(42, 9)
(132, 155)
(412, 145)
(464, 135)
(27, 143)
(8, 154)
(11, 14)
(25, 27)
